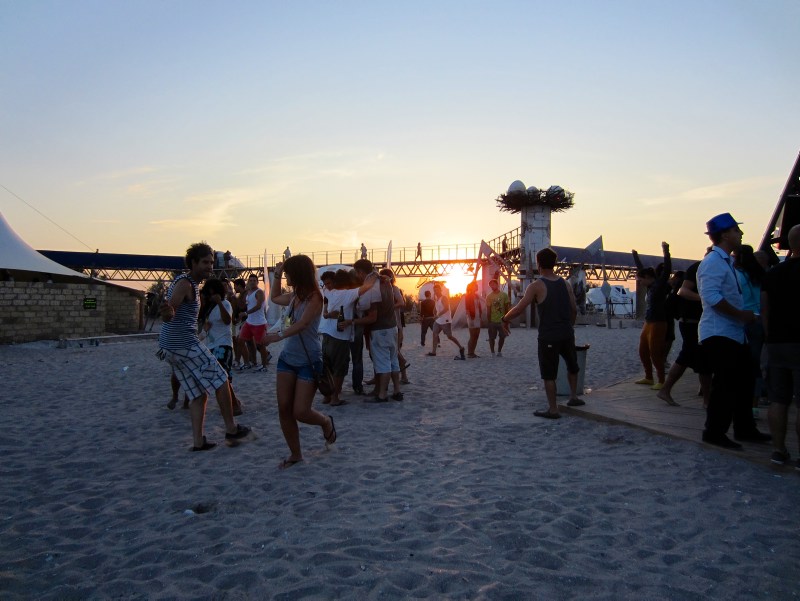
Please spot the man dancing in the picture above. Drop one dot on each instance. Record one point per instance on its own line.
(192, 363)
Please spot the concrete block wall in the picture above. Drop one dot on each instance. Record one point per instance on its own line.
(124, 310)
(42, 311)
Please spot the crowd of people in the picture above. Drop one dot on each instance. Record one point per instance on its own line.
(738, 325)
(740, 332)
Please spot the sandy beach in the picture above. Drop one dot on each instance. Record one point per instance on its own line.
(458, 492)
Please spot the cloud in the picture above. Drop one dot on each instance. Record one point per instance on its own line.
(121, 174)
(341, 164)
(753, 186)
(216, 210)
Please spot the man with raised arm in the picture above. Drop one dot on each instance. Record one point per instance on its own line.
(555, 303)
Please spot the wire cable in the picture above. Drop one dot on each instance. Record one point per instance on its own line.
(45, 216)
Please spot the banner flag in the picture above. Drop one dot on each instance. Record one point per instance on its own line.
(595, 247)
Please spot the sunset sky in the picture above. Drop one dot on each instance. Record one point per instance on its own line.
(142, 126)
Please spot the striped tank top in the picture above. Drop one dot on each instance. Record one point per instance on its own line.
(181, 332)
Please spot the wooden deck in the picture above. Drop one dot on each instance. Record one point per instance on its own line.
(637, 406)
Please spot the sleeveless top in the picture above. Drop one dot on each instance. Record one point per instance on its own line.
(181, 332)
(555, 317)
(257, 318)
(293, 352)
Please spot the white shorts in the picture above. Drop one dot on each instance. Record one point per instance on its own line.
(384, 351)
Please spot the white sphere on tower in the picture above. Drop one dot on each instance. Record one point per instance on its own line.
(516, 187)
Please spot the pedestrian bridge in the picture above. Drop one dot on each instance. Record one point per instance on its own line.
(433, 261)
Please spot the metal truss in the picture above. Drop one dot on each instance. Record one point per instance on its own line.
(162, 275)
(409, 269)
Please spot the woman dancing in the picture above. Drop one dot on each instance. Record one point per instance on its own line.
(301, 356)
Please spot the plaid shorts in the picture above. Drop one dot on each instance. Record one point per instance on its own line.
(197, 370)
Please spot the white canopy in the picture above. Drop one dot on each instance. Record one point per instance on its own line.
(16, 254)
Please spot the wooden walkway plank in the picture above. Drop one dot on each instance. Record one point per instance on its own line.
(635, 405)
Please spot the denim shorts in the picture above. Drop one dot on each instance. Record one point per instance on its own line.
(302, 372)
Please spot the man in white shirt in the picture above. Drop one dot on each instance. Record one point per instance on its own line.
(337, 334)
(442, 323)
(255, 324)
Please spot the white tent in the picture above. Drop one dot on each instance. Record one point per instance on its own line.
(622, 299)
(17, 255)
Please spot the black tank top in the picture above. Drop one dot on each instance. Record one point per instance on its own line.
(555, 317)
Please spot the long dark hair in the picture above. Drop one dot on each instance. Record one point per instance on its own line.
(301, 271)
(745, 261)
(210, 287)
(469, 299)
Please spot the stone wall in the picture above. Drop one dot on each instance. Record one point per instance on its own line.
(44, 311)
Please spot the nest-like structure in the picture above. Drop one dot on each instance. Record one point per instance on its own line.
(554, 197)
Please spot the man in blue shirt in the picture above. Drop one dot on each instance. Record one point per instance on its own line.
(722, 336)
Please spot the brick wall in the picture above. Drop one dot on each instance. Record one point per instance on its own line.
(40, 311)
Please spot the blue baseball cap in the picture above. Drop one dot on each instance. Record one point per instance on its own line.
(720, 223)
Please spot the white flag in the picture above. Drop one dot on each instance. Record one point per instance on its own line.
(266, 274)
(491, 255)
(389, 255)
(595, 247)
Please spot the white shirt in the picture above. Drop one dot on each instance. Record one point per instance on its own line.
(220, 333)
(337, 299)
(256, 318)
(441, 303)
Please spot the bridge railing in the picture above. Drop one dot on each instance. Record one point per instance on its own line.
(404, 254)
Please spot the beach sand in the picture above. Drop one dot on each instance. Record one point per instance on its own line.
(458, 492)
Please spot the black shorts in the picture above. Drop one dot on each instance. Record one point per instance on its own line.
(336, 355)
(692, 354)
(549, 352)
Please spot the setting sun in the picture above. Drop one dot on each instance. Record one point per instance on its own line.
(457, 282)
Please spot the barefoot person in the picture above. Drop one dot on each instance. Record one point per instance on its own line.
(442, 323)
(301, 356)
(192, 363)
(557, 312)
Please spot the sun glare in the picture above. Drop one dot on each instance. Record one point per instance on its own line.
(457, 282)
